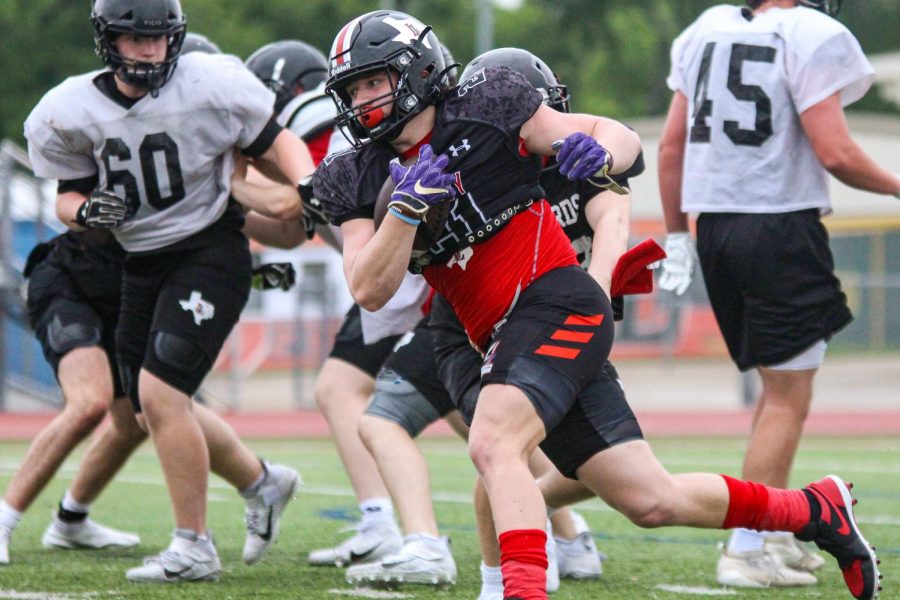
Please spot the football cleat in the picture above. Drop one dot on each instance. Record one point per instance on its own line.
(417, 562)
(371, 542)
(793, 553)
(85, 534)
(578, 558)
(263, 511)
(552, 564)
(835, 531)
(5, 535)
(184, 560)
(758, 570)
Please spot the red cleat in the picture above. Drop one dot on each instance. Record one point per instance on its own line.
(836, 532)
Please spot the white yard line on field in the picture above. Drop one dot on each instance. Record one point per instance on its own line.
(369, 593)
(695, 591)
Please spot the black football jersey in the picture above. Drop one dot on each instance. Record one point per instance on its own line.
(477, 127)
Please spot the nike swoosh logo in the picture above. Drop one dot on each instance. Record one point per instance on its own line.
(267, 536)
(354, 557)
(826, 516)
(417, 188)
(174, 574)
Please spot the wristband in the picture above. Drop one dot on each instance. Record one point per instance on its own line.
(404, 218)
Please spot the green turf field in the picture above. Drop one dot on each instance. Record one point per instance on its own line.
(661, 564)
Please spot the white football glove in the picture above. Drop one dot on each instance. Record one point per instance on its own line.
(678, 268)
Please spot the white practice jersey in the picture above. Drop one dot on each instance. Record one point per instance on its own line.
(747, 82)
(309, 113)
(169, 156)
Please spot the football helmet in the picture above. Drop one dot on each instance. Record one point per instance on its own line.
(535, 70)
(385, 40)
(195, 42)
(286, 65)
(829, 7)
(111, 18)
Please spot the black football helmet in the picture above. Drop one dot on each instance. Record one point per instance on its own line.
(380, 41)
(196, 42)
(285, 65)
(111, 18)
(829, 7)
(535, 70)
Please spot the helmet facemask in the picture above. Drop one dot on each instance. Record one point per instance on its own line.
(416, 71)
(829, 7)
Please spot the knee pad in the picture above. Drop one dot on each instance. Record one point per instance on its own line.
(178, 361)
(64, 338)
(398, 401)
(177, 352)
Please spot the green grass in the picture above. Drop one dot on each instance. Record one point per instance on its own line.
(639, 560)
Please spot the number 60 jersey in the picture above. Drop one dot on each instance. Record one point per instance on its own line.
(169, 156)
(747, 81)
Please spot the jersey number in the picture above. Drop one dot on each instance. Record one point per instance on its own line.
(154, 145)
(700, 131)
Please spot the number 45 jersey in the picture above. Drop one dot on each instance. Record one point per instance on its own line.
(747, 81)
(169, 156)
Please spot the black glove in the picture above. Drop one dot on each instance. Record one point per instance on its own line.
(313, 211)
(102, 210)
(271, 276)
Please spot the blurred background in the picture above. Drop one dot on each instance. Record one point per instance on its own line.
(614, 56)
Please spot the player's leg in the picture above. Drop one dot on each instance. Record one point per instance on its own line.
(407, 399)
(266, 487)
(343, 389)
(177, 310)
(108, 452)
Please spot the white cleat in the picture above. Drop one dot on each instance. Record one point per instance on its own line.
(370, 543)
(578, 558)
(85, 534)
(417, 562)
(5, 535)
(758, 570)
(793, 553)
(263, 511)
(182, 561)
(552, 561)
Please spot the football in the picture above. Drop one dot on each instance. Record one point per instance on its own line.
(430, 230)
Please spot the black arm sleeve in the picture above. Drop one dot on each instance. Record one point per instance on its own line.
(264, 140)
(85, 185)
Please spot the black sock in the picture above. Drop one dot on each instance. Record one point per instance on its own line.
(70, 516)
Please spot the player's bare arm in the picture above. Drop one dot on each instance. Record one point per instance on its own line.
(609, 215)
(671, 164)
(547, 126)
(826, 127)
(375, 261)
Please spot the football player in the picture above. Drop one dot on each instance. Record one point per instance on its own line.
(755, 126)
(145, 150)
(512, 277)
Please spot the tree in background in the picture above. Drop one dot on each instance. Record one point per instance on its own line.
(613, 54)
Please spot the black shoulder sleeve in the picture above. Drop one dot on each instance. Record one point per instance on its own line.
(86, 185)
(264, 140)
(496, 96)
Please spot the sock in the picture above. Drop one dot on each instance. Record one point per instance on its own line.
(491, 580)
(253, 489)
(376, 510)
(745, 540)
(523, 561)
(9, 517)
(756, 506)
(72, 511)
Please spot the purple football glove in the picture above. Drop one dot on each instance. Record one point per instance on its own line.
(422, 185)
(582, 157)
